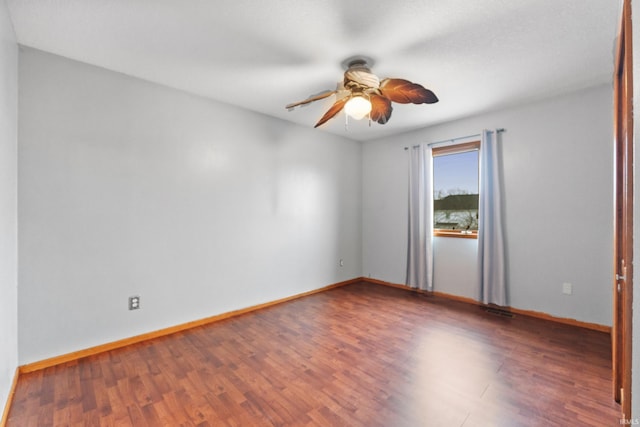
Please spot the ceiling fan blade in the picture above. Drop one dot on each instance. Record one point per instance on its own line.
(312, 98)
(380, 108)
(405, 92)
(335, 109)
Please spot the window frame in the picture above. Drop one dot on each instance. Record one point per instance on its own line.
(444, 150)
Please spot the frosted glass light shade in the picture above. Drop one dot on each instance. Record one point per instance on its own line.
(357, 107)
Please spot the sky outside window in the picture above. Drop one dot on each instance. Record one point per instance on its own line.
(456, 173)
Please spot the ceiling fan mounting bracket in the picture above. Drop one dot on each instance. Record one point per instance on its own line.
(357, 61)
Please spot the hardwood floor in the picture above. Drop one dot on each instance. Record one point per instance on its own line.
(360, 355)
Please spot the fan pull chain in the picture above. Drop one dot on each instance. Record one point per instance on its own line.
(346, 121)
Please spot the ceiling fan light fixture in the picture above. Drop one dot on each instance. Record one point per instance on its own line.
(363, 94)
(358, 107)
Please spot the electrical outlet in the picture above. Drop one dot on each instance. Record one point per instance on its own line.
(134, 302)
(567, 288)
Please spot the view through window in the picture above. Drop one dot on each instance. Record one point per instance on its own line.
(455, 189)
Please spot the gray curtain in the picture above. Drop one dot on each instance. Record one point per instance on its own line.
(420, 242)
(491, 259)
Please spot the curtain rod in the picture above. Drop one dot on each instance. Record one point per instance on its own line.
(455, 139)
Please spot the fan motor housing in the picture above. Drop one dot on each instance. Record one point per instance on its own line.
(358, 77)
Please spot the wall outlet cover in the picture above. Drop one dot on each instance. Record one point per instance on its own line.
(134, 303)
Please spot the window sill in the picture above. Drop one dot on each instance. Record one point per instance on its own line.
(456, 233)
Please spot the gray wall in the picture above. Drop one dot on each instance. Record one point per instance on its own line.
(130, 188)
(8, 204)
(557, 158)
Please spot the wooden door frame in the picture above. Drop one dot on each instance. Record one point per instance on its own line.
(623, 215)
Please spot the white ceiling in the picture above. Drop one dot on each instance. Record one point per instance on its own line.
(476, 55)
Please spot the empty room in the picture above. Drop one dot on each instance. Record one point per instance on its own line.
(317, 213)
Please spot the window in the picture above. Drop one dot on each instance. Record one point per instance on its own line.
(455, 190)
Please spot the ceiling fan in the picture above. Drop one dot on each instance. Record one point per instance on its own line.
(361, 93)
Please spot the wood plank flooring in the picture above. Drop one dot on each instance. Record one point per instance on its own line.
(359, 355)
